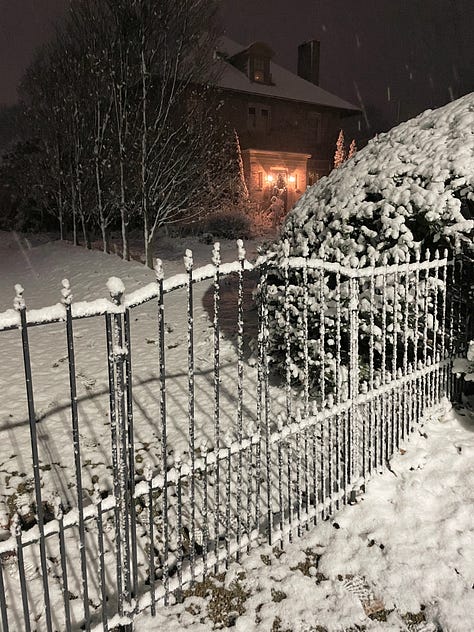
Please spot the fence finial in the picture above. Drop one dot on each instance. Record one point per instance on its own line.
(240, 250)
(116, 289)
(216, 254)
(66, 292)
(158, 268)
(188, 260)
(19, 301)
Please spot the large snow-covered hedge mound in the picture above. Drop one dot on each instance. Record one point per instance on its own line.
(411, 188)
(414, 184)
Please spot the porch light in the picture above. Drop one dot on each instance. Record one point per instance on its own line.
(269, 178)
(292, 179)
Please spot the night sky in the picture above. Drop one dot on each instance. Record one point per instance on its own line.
(393, 57)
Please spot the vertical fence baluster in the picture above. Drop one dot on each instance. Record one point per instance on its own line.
(148, 475)
(451, 326)
(384, 438)
(337, 381)
(188, 263)
(3, 603)
(97, 500)
(15, 530)
(322, 461)
(265, 394)
(67, 301)
(426, 377)
(314, 455)
(179, 526)
(298, 474)
(205, 502)
(115, 456)
(228, 499)
(443, 321)
(240, 388)
(286, 333)
(322, 330)
(395, 429)
(216, 260)
(416, 329)
(159, 276)
(436, 355)
(20, 306)
(250, 481)
(58, 514)
(123, 454)
(281, 508)
(305, 333)
(406, 333)
(289, 488)
(131, 453)
(372, 438)
(353, 430)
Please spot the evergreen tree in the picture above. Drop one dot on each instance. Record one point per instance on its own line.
(352, 149)
(340, 155)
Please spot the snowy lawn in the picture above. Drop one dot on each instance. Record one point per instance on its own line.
(401, 559)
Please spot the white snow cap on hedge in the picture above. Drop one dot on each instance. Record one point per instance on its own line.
(420, 169)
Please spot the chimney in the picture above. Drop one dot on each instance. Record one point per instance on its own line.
(308, 61)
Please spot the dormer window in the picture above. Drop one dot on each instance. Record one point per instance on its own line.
(259, 69)
(254, 61)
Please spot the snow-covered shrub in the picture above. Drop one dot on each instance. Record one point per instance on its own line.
(410, 189)
(231, 223)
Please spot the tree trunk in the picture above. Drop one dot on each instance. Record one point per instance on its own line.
(125, 248)
(147, 238)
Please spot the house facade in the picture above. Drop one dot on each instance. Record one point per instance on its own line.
(287, 125)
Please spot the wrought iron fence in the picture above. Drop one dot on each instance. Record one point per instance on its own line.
(264, 458)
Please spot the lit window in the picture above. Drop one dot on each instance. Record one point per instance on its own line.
(259, 70)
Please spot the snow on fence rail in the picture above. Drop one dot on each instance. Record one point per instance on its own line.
(386, 337)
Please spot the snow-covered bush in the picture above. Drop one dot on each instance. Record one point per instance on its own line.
(410, 189)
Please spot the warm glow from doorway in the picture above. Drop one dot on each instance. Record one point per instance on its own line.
(292, 179)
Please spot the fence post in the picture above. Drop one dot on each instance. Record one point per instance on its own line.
(164, 435)
(116, 358)
(20, 306)
(188, 264)
(67, 302)
(240, 387)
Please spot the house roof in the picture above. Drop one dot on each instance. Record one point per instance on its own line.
(286, 84)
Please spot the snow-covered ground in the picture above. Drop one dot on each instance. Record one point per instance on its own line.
(401, 559)
(40, 265)
(406, 547)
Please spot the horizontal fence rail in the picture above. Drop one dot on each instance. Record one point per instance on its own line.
(263, 399)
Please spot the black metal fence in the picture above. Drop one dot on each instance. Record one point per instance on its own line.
(183, 486)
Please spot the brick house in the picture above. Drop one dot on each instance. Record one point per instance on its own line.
(286, 123)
